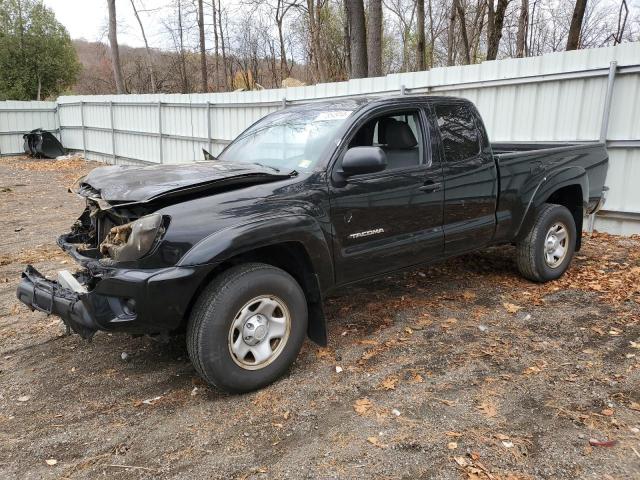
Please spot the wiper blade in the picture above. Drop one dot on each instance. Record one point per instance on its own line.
(266, 166)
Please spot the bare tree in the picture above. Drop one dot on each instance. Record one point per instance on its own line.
(347, 37)
(224, 54)
(463, 31)
(495, 21)
(374, 38)
(115, 52)
(214, 14)
(573, 39)
(152, 73)
(358, 39)
(203, 49)
(451, 35)
(523, 25)
(420, 46)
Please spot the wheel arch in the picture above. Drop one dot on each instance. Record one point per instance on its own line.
(302, 253)
(568, 187)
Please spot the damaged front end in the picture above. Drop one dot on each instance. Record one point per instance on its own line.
(107, 242)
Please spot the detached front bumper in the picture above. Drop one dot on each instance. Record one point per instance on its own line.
(128, 300)
(50, 297)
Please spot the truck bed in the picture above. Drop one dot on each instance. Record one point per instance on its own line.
(504, 150)
(526, 170)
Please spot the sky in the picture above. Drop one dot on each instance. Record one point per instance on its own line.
(88, 19)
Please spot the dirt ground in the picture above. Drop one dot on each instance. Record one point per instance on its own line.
(460, 370)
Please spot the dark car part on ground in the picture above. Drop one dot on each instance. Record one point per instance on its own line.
(241, 251)
(42, 144)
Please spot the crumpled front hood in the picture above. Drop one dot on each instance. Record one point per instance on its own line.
(121, 183)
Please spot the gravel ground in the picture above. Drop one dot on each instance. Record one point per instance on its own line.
(460, 370)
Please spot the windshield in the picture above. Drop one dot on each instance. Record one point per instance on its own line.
(288, 140)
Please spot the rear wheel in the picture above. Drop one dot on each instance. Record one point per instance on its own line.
(247, 327)
(546, 251)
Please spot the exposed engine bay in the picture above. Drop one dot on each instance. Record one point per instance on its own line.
(114, 235)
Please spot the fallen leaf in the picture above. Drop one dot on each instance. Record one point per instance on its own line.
(453, 434)
(24, 398)
(51, 462)
(389, 383)
(607, 412)
(488, 409)
(635, 406)
(417, 378)
(531, 370)
(461, 461)
(501, 436)
(452, 445)
(362, 406)
(507, 444)
(469, 295)
(375, 441)
(324, 353)
(511, 308)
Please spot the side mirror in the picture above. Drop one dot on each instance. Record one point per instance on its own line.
(359, 160)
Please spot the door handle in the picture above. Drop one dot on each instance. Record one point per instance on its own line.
(431, 187)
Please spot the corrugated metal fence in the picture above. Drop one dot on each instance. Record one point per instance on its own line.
(585, 95)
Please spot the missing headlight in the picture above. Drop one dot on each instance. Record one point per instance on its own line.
(133, 240)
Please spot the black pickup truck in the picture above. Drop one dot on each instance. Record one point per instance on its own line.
(241, 250)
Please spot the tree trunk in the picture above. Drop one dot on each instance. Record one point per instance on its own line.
(451, 35)
(224, 54)
(152, 73)
(358, 32)
(573, 40)
(347, 38)
(316, 47)
(494, 31)
(420, 46)
(115, 52)
(523, 25)
(374, 41)
(183, 61)
(463, 32)
(284, 70)
(203, 49)
(432, 35)
(215, 40)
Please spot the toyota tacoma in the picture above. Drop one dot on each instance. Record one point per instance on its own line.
(240, 251)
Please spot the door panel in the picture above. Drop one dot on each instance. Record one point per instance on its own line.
(387, 220)
(470, 178)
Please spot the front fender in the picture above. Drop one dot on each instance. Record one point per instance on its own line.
(242, 238)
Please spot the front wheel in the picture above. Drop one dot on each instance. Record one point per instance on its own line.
(247, 327)
(546, 251)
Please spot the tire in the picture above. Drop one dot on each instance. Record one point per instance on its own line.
(538, 260)
(252, 301)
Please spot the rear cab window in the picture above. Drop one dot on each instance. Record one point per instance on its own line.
(458, 130)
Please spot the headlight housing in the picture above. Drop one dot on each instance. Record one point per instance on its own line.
(133, 240)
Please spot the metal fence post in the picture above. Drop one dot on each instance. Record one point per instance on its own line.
(113, 133)
(284, 102)
(57, 114)
(604, 126)
(210, 143)
(84, 139)
(160, 128)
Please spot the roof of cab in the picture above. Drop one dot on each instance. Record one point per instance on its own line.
(354, 103)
